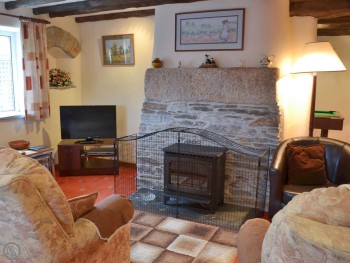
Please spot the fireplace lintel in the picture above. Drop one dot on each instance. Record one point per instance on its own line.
(224, 85)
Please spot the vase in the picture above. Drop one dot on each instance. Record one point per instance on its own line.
(157, 64)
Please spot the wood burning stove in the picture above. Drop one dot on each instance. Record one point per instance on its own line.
(195, 173)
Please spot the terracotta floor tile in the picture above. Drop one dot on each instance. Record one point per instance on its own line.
(216, 253)
(200, 231)
(174, 225)
(186, 245)
(225, 237)
(159, 238)
(173, 257)
(138, 231)
(144, 253)
(148, 219)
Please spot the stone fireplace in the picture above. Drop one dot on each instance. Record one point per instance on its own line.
(236, 103)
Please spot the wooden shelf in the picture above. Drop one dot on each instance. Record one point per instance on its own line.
(83, 159)
(66, 87)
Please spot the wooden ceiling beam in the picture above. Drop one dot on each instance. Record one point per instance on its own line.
(95, 18)
(333, 27)
(27, 3)
(333, 32)
(320, 8)
(93, 6)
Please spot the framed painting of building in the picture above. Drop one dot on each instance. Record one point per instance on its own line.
(210, 30)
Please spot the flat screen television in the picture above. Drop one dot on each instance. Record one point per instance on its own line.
(88, 122)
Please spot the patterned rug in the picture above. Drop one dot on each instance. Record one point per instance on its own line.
(161, 239)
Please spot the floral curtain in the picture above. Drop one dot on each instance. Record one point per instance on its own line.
(35, 66)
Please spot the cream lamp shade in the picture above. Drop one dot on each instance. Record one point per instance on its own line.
(318, 57)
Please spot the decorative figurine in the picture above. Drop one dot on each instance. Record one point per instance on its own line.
(208, 63)
(266, 61)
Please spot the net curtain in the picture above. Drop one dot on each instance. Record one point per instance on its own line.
(35, 67)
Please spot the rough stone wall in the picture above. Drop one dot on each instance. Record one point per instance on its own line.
(57, 37)
(249, 125)
(237, 103)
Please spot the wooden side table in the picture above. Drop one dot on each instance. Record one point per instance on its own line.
(45, 157)
(328, 120)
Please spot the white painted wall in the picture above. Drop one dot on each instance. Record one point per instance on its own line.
(268, 30)
(333, 89)
(295, 89)
(48, 131)
(58, 59)
(117, 85)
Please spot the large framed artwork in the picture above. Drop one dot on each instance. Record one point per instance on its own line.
(118, 50)
(210, 30)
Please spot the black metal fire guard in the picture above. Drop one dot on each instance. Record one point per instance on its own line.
(193, 174)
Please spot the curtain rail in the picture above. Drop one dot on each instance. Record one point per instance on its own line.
(25, 18)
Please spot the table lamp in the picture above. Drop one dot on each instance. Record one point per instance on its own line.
(317, 57)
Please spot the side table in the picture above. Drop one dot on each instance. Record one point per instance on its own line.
(45, 157)
(328, 120)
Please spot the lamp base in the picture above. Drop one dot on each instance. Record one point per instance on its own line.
(313, 102)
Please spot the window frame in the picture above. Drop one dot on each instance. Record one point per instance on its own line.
(17, 72)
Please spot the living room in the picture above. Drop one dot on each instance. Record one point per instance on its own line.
(268, 30)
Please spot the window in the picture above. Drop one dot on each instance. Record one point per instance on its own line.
(11, 79)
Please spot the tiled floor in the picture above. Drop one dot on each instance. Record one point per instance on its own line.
(161, 239)
(157, 238)
(73, 186)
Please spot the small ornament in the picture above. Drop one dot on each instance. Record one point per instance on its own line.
(157, 63)
(266, 61)
(208, 63)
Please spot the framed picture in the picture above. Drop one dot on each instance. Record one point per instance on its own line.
(118, 50)
(210, 30)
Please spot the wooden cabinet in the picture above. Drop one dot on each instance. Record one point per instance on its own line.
(69, 157)
(87, 159)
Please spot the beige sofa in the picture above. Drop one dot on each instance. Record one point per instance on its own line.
(313, 227)
(38, 224)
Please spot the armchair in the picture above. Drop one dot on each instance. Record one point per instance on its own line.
(314, 227)
(38, 224)
(337, 166)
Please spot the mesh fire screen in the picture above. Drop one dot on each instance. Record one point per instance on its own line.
(193, 174)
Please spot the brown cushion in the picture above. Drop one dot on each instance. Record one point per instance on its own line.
(111, 213)
(82, 204)
(306, 164)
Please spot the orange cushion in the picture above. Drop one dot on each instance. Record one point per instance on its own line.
(82, 204)
(306, 164)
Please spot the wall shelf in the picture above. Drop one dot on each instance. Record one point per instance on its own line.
(66, 87)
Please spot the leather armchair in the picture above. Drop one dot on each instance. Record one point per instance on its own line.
(337, 158)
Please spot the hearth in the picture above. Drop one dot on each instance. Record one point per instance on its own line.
(194, 173)
(184, 172)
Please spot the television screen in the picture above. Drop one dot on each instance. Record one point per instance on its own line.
(88, 122)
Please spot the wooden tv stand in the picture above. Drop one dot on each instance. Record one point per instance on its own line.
(87, 159)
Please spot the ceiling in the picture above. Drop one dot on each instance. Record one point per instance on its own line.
(333, 15)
